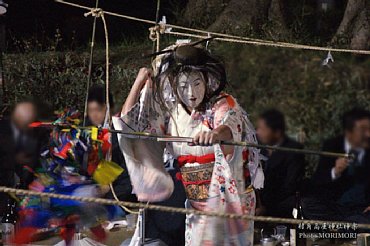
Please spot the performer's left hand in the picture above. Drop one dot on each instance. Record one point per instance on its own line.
(206, 138)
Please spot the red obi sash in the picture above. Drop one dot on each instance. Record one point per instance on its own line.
(196, 179)
(204, 159)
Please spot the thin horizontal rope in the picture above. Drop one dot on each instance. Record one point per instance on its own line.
(277, 44)
(228, 37)
(172, 209)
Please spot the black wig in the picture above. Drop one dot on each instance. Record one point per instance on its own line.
(187, 59)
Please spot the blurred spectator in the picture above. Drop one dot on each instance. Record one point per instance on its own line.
(96, 113)
(157, 224)
(343, 186)
(283, 170)
(19, 146)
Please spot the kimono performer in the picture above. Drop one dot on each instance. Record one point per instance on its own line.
(184, 98)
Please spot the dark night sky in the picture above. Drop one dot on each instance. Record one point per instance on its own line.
(40, 18)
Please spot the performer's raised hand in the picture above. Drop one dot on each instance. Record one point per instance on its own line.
(142, 78)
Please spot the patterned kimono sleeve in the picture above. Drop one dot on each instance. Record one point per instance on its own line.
(254, 156)
(144, 116)
(227, 190)
(226, 113)
(144, 157)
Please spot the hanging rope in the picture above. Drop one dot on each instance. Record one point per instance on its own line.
(116, 198)
(90, 63)
(154, 35)
(226, 37)
(99, 13)
(157, 21)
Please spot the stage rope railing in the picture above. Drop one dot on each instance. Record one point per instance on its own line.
(222, 36)
(172, 209)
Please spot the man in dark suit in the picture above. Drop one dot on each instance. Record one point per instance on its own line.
(284, 171)
(19, 147)
(342, 186)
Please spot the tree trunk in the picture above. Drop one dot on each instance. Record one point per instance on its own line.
(354, 28)
(241, 17)
(202, 13)
(277, 17)
(361, 30)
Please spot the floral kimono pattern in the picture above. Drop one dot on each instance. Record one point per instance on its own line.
(226, 193)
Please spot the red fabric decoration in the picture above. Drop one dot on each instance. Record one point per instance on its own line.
(246, 173)
(99, 233)
(229, 99)
(179, 176)
(94, 156)
(245, 154)
(69, 229)
(104, 136)
(24, 235)
(67, 233)
(64, 151)
(35, 124)
(204, 159)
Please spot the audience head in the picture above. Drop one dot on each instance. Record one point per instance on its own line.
(271, 127)
(356, 126)
(23, 114)
(96, 104)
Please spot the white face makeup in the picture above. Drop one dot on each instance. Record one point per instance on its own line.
(191, 89)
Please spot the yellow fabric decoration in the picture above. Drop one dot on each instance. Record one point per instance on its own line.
(94, 133)
(107, 172)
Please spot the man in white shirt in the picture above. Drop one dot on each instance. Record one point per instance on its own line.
(342, 186)
(342, 164)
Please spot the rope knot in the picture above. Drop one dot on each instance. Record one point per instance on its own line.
(154, 31)
(159, 28)
(96, 12)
